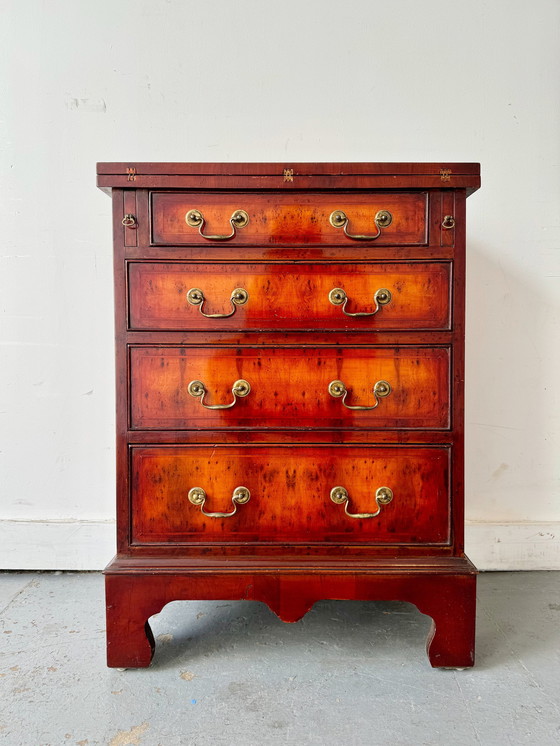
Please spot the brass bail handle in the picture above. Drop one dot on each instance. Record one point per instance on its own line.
(238, 297)
(197, 496)
(383, 496)
(240, 388)
(338, 389)
(195, 219)
(129, 220)
(381, 297)
(339, 219)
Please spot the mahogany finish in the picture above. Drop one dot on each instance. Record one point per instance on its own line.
(276, 218)
(289, 387)
(282, 296)
(289, 442)
(303, 477)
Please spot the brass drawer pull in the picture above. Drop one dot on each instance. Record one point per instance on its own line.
(241, 495)
(129, 221)
(338, 297)
(380, 390)
(195, 219)
(239, 389)
(448, 222)
(339, 219)
(238, 297)
(383, 496)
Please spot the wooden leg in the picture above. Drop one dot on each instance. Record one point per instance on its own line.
(452, 606)
(130, 642)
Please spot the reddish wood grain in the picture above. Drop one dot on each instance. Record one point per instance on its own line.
(290, 494)
(278, 218)
(447, 595)
(272, 550)
(282, 296)
(289, 387)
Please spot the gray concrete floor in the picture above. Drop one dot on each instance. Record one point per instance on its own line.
(232, 673)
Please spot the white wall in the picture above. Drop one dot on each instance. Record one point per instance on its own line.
(178, 80)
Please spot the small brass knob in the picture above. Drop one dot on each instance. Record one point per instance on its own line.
(194, 218)
(382, 388)
(241, 388)
(195, 296)
(239, 296)
(240, 218)
(383, 296)
(383, 218)
(338, 219)
(337, 388)
(196, 388)
(197, 495)
(384, 495)
(241, 495)
(339, 495)
(337, 296)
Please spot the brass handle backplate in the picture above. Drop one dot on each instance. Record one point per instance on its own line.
(238, 297)
(383, 496)
(380, 390)
(338, 297)
(195, 219)
(129, 221)
(197, 496)
(239, 389)
(339, 219)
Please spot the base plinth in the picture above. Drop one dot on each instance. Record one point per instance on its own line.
(444, 590)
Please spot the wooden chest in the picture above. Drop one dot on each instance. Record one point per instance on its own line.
(290, 365)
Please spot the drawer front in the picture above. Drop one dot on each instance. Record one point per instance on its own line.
(289, 491)
(289, 218)
(289, 387)
(287, 296)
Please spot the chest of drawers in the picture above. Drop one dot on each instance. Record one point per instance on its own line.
(290, 365)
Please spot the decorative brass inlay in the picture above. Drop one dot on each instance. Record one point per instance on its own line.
(383, 496)
(339, 219)
(288, 174)
(131, 174)
(448, 222)
(445, 174)
(238, 297)
(240, 388)
(338, 297)
(129, 220)
(338, 389)
(195, 219)
(241, 495)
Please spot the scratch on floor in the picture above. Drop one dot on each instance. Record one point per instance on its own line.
(129, 737)
(467, 707)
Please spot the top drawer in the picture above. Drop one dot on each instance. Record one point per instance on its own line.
(249, 219)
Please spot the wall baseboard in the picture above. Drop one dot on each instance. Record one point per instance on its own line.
(89, 545)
